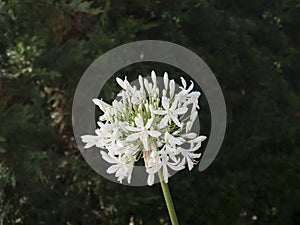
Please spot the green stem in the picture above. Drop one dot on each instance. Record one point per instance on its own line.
(168, 199)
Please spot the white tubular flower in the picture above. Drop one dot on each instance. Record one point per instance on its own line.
(166, 80)
(122, 168)
(172, 88)
(188, 154)
(153, 77)
(142, 124)
(124, 84)
(161, 161)
(101, 104)
(142, 132)
(173, 141)
(183, 88)
(171, 113)
(91, 140)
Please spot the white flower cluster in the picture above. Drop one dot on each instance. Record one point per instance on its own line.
(143, 124)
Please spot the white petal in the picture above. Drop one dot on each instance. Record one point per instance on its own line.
(149, 123)
(90, 140)
(181, 110)
(120, 143)
(101, 104)
(191, 86)
(134, 100)
(100, 124)
(108, 158)
(189, 125)
(157, 92)
(183, 82)
(198, 140)
(146, 83)
(167, 136)
(165, 102)
(166, 80)
(194, 155)
(147, 106)
(177, 167)
(160, 112)
(172, 157)
(201, 138)
(121, 174)
(175, 103)
(194, 116)
(189, 135)
(172, 88)
(153, 76)
(107, 127)
(129, 175)
(151, 89)
(87, 138)
(128, 86)
(130, 128)
(88, 145)
(121, 83)
(100, 144)
(145, 141)
(176, 132)
(164, 122)
(133, 137)
(120, 178)
(141, 82)
(154, 133)
(164, 93)
(165, 173)
(152, 111)
(153, 165)
(176, 141)
(139, 121)
(190, 163)
(113, 169)
(194, 94)
(117, 105)
(103, 117)
(176, 121)
(150, 180)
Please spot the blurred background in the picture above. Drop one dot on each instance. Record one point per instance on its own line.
(253, 47)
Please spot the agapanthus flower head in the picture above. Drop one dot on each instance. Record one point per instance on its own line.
(143, 124)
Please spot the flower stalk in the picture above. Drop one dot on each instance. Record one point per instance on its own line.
(168, 199)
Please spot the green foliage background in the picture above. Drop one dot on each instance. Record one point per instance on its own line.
(253, 47)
